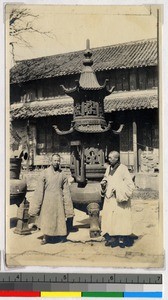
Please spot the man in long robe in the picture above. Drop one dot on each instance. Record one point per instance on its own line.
(116, 222)
(53, 200)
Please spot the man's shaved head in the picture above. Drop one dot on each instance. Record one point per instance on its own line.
(115, 154)
(113, 157)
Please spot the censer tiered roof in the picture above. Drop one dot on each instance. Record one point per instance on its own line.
(88, 80)
(88, 97)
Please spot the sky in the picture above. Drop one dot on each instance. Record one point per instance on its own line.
(71, 25)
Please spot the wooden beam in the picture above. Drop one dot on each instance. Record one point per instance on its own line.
(135, 150)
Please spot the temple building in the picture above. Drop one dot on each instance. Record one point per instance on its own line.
(38, 102)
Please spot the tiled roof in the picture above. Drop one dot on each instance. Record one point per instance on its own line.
(64, 106)
(44, 108)
(131, 100)
(126, 55)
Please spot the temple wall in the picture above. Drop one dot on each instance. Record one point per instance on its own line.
(124, 80)
(149, 161)
(21, 128)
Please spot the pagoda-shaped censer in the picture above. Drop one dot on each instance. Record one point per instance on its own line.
(89, 134)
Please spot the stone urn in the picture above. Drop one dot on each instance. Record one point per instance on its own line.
(18, 187)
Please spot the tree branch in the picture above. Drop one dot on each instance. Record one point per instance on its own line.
(21, 22)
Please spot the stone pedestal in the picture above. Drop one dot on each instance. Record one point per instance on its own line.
(23, 218)
(93, 211)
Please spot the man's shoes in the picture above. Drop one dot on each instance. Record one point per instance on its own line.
(53, 239)
(44, 240)
(62, 239)
(129, 241)
(108, 243)
(125, 241)
(115, 242)
(121, 242)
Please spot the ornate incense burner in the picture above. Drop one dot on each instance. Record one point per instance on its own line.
(18, 186)
(89, 141)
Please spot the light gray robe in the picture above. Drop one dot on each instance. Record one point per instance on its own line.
(53, 200)
(116, 213)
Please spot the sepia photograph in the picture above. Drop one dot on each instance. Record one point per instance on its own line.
(84, 136)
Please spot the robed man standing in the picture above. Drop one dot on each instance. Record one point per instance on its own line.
(116, 215)
(53, 200)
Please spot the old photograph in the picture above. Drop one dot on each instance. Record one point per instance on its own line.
(84, 146)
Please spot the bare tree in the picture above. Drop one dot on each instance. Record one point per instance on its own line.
(21, 21)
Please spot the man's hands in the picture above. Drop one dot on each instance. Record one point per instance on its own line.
(103, 184)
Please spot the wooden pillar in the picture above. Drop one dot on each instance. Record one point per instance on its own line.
(32, 143)
(135, 150)
(28, 145)
(34, 138)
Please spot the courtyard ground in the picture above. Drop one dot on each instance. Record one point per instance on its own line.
(81, 250)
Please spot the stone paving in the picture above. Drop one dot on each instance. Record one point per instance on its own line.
(81, 250)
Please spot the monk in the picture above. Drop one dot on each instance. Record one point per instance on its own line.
(53, 200)
(118, 186)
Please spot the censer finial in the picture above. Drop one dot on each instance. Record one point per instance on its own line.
(88, 44)
(88, 54)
